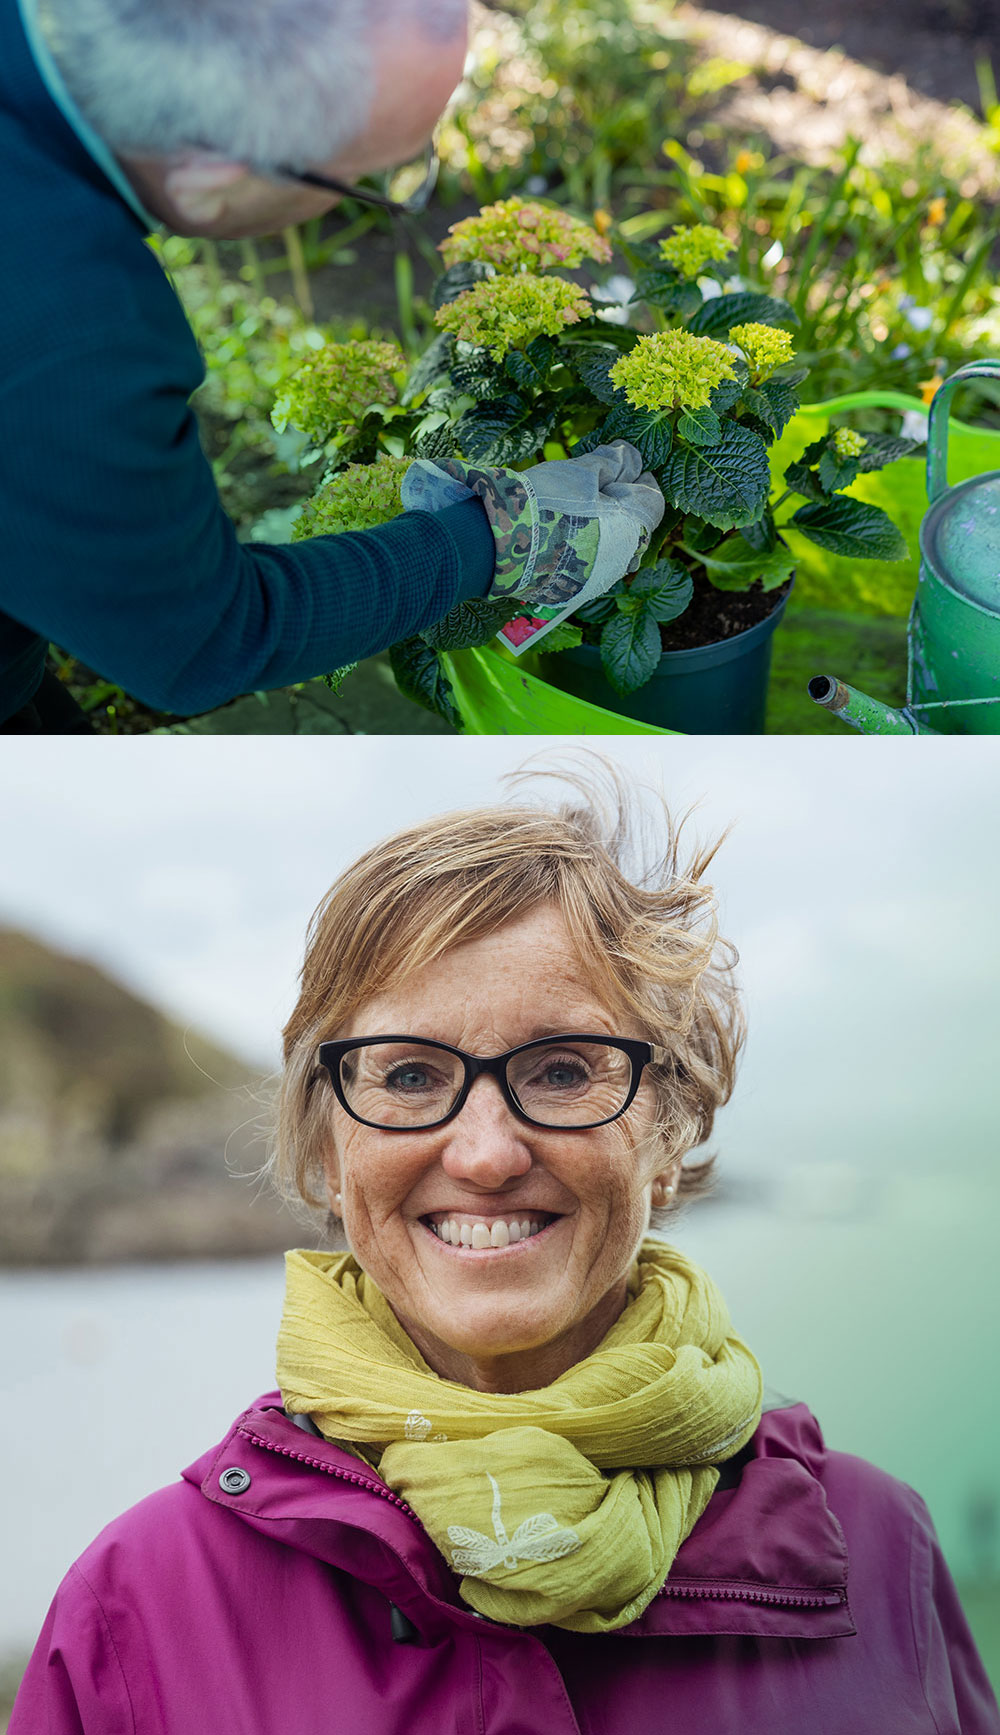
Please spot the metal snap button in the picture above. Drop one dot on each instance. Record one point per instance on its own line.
(234, 1480)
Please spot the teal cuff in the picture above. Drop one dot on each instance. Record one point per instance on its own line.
(469, 528)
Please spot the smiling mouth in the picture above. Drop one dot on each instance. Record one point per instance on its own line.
(478, 1236)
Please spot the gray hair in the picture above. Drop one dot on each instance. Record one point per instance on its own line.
(264, 82)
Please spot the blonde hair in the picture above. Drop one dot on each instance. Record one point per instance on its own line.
(647, 936)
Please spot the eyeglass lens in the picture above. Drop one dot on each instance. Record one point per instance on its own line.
(410, 181)
(561, 1084)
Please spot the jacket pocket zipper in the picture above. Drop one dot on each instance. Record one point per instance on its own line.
(783, 1599)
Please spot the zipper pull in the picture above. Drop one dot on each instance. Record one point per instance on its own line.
(403, 1630)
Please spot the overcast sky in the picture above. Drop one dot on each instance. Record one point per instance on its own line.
(860, 883)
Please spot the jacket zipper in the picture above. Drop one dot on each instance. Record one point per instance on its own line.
(788, 1599)
(378, 1488)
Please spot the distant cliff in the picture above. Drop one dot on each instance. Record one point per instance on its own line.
(121, 1135)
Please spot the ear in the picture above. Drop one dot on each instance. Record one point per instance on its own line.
(665, 1185)
(196, 185)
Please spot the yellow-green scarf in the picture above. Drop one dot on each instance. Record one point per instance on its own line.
(562, 1506)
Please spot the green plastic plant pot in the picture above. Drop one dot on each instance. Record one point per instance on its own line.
(718, 689)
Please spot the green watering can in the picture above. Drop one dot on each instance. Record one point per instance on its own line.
(953, 678)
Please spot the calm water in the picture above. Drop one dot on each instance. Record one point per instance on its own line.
(887, 1324)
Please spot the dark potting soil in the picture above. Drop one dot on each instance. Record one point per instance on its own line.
(712, 614)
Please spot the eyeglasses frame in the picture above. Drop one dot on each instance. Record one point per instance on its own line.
(640, 1054)
(399, 208)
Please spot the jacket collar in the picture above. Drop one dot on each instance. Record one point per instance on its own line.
(767, 1556)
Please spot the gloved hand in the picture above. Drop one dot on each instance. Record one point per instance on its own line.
(565, 530)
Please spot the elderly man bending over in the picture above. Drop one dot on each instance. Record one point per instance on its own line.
(117, 116)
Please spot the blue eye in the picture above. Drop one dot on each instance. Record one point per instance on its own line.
(407, 1078)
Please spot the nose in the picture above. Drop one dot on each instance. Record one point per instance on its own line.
(485, 1144)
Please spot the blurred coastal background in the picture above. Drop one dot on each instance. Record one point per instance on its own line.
(152, 916)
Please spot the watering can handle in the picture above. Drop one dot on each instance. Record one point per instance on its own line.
(937, 432)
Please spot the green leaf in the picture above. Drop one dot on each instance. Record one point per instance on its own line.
(650, 431)
(761, 534)
(630, 650)
(736, 565)
(698, 535)
(474, 371)
(661, 287)
(420, 677)
(700, 428)
(789, 375)
(718, 316)
(530, 367)
(503, 431)
(665, 589)
(592, 364)
(836, 472)
(601, 608)
(432, 366)
(457, 279)
(727, 484)
(473, 622)
(802, 479)
(561, 638)
(774, 403)
(851, 527)
(883, 449)
(763, 430)
(727, 395)
(436, 440)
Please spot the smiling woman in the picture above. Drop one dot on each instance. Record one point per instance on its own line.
(520, 1472)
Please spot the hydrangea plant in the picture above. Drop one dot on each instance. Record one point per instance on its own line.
(524, 367)
(505, 314)
(519, 234)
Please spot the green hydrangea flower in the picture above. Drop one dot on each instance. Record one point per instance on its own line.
(848, 444)
(764, 347)
(689, 250)
(358, 498)
(519, 235)
(337, 386)
(673, 369)
(505, 313)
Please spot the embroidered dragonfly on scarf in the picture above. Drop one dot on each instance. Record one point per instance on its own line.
(538, 1538)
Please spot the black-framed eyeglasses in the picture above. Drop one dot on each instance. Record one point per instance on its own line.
(407, 1084)
(406, 190)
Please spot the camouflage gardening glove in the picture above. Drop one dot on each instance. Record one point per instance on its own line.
(565, 530)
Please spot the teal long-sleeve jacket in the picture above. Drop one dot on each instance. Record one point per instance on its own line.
(113, 541)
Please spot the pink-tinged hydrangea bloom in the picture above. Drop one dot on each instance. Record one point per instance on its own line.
(358, 498)
(521, 235)
(673, 370)
(505, 313)
(690, 249)
(337, 386)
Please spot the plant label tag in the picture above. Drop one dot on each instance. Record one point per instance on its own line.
(524, 633)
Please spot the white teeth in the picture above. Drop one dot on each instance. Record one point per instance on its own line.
(500, 1233)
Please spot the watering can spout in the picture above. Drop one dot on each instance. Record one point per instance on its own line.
(868, 715)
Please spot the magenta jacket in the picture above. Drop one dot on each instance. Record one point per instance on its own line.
(280, 1588)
